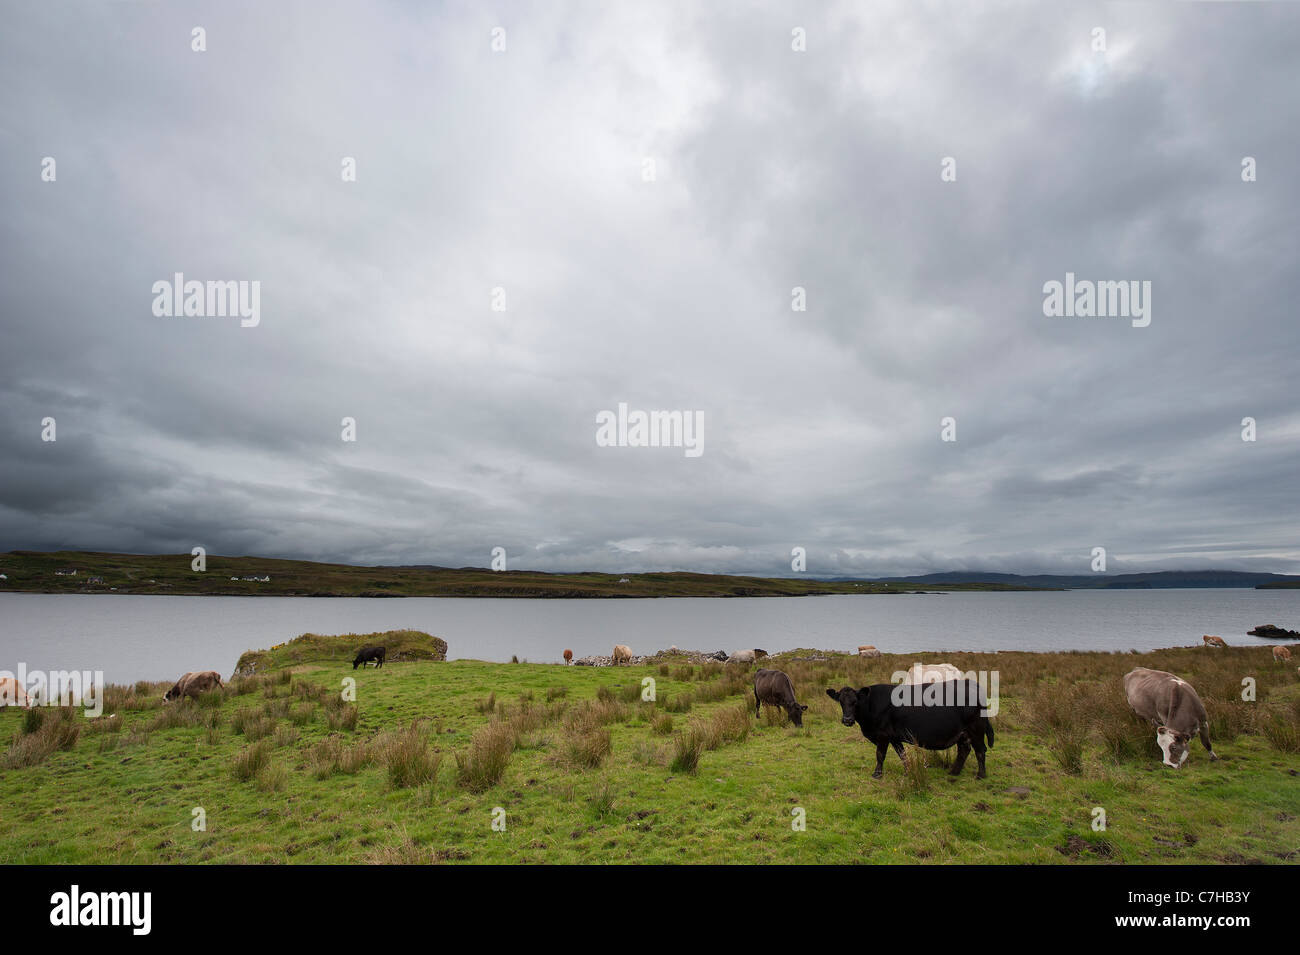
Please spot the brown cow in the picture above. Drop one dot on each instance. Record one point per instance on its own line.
(192, 684)
(12, 693)
(867, 650)
(1175, 709)
(622, 654)
(568, 657)
(774, 688)
(1281, 654)
(1214, 641)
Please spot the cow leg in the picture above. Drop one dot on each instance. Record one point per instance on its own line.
(980, 749)
(963, 750)
(1205, 741)
(881, 750)
(758, 705)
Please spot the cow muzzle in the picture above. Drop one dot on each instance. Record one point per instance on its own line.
(846, 720)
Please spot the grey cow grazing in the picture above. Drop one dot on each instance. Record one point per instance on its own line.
(1173, 706)
(774, 688)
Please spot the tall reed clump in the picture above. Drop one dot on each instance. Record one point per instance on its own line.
(253, 724)
(184, 713)
(1056, 714)
(251, 761)
(914, 777)
(340, 714)
(407, 757)
(731, 724)
(588, 749)
(687, 748)
(1123, 735)
(681, 703)
(661, 723)
(483, 764)
(1282, 730)
(330, 756)
(43, 735)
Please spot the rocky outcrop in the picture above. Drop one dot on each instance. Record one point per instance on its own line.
(1271, 632)
(671, 655)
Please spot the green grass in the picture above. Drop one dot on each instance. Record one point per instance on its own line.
(402, 785)
(34, 572)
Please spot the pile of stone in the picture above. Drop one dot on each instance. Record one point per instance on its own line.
(671, 655)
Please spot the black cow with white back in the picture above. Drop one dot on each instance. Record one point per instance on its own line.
(932, 716)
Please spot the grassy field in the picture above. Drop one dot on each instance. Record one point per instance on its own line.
(33, 572)
(285, 770)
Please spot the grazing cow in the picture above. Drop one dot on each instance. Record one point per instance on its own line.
(932, 673)
(934, 717)
(774, 688)
(12, 693)
(370, 654)
(867, 650)
(192, 684)
(568, 657)
(1281, 654)
(1214, 641)
(622, 654)
(746, 656)
(1173, 706)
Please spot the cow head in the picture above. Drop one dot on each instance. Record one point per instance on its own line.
(796, 711)
(1174, 745)
(173, 694)
(847, 698)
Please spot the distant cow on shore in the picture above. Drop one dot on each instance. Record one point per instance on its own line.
(192, 684)
(12, 693)
(942, 715)
(774, 688)
(1281, 654)
(370, 655)
(1214, 641)
(621, 655)
(568, 657)
(1172, 705)
(867, 650)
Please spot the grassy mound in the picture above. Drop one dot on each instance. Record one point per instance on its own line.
(341, 648)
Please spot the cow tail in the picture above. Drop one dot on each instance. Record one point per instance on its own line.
(988, 731)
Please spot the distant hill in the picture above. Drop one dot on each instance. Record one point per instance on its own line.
(1159, 580)
(106, 573)
(33, 572)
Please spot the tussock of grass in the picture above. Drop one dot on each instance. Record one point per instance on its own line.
(482, 765)
(687, 748)
(407, 757)
(251, 760)
(588, 749)
(41, 736)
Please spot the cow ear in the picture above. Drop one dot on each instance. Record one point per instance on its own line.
(803, 706)
(832, 694)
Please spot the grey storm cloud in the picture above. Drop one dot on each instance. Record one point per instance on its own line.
(522, 169)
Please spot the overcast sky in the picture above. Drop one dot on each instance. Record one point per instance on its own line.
(524, 169)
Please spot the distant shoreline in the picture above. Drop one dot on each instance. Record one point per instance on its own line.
(210, 575)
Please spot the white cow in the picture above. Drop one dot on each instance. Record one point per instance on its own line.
(932, 673)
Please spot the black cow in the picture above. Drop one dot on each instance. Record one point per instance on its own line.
(774, 688)
(933, 716)
(368, 654)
